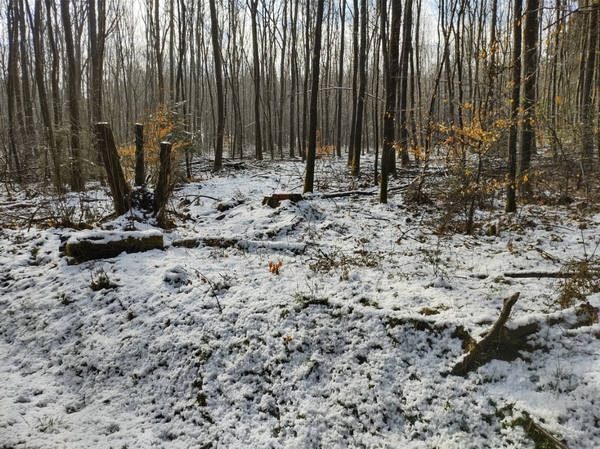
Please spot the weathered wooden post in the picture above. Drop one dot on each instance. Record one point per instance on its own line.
(116, 179)
(162, 190)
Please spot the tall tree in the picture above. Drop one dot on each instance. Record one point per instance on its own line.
(360, 102)
(219, 83)
(38, 51)
(403, 101)
(257, 100)
(97, 39)
(76, 178)
(390, 73)
(15, 116)
(339, 94)
(530, 69)
(587, 99)
(312, 135)
(511, 188)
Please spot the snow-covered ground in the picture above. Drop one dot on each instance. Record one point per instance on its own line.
(307, 334)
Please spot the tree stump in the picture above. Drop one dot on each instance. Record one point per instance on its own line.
(163, 188)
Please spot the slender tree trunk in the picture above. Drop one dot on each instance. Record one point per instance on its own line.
(530, 66)
(255, 55)
(12, 91)
(404, 63)
(587, 106)
(339, 94)
(360, 104)
(312, 142)
(511, 188)
(391, 70)
(219, 83)
(77, 182)
(38, 50)
(355, 47)
(294, 80)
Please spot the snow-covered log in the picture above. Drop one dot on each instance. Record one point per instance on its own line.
(91, 245)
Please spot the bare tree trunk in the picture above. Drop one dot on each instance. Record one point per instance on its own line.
(587, 106)
(219, 82)
(356, 50)
(294, 81)
(312, 136)
(404, 61)
(391, 70)
(530, 66)
(338, 146)
(360, 104)
(116, 179)
(12, 90)
(255, 55)
(77, 182)
(36, 26)
(511, 188)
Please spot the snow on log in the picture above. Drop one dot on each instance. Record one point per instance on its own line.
(91, 245)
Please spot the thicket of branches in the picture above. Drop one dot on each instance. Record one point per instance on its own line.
(474, 81)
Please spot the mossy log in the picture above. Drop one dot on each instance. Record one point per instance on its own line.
(92, 245)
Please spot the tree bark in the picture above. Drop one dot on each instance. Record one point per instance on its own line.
(257, 110)
(36, 26)
(140, 169)
(360, 102)
(77, 181)
(390, 58)
(511, 188)
(163, 188)
(312, 135)
(530, 68)
(116, 179)
(219, 83)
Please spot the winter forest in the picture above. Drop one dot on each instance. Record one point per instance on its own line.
(300, 224)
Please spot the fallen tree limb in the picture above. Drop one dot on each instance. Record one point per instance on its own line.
(224, 242)
(276, 198)
(538, 434)
(539, 274)
(479, 351)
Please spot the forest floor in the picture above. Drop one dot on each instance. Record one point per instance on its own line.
(330, 322)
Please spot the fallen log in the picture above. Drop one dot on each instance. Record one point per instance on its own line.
(540, 274)
(224, 242)
(478, 353)
(92, 245)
